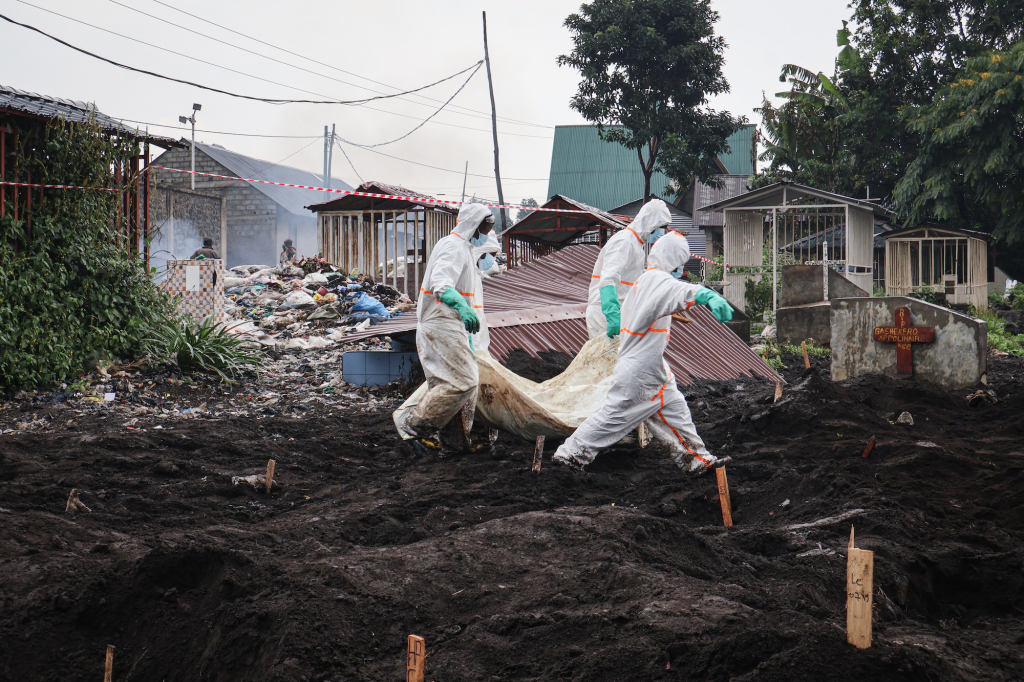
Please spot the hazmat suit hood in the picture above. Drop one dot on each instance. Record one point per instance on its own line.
(652, 215)
(470, 217)
(670, 252)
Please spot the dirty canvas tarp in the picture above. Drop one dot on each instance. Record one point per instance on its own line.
(553, 408)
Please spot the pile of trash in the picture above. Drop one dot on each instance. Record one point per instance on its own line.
(310, 304)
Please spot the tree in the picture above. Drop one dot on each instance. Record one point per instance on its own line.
(521, 213)
(971, 161)
(648, 67)
(911, 49)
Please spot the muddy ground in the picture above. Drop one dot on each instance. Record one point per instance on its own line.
(623, 572)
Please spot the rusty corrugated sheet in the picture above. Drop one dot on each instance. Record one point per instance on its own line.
(541, 306)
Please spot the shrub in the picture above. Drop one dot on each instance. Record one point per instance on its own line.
(204, 346)
(68, 288)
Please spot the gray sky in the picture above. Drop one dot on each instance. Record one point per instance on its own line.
(403, 44)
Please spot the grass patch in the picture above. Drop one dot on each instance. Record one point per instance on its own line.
(206, 346)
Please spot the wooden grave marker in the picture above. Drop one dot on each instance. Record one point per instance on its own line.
(860, 579)
(904, 336)
(723, 496)
(416, 659)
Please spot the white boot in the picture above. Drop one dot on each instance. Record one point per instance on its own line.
(703, 463)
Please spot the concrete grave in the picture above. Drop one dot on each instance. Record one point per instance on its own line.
(804, 311)
(955, 359)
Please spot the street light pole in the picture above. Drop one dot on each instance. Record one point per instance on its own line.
(192, 119)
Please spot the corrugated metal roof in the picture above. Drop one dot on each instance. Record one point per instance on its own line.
(742, 158)
(43, 106)
(351, 202)
(541, 306)
(292, 199)
(606, 174)
(704, 195)
(562, 228)
(596, 172)
(791, 192)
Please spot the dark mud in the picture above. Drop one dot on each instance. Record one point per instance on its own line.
(623, 572)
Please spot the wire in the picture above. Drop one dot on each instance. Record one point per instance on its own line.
(278, 163)
(350, 162)
(446, 170)
(423, 122)
(310, 59)
(202, 61)
(221, 132)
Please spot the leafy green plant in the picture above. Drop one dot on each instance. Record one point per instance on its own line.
(998, 339)
(207, 346)
(69, 290)
(928, 295)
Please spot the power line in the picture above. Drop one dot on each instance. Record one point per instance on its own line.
(446, 170)
(278, 163)
(294, 66)
(351, 164)
(350, 73)
(221, 132)
(203, 61)
(422, 123)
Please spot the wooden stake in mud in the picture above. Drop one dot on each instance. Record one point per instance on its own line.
(860, 580)
(807, 360)
(108, 668)
(416, 659)
(269, 476)
(538, 454)
(723, 496)
(869, 448)
(778, 391)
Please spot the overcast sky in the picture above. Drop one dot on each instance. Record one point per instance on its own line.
(403, 44)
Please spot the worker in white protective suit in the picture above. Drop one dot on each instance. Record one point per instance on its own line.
(643, 388)
(618, 266)
(486, 267)
(445, 318)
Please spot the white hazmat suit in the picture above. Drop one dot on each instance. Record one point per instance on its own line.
(643, 388)
(621, 261)
(481, 339)
(441, 338)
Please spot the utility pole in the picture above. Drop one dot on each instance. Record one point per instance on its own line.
(494, 127)
(464, 176)
(330, 158)
(192, 119)
(323, 178)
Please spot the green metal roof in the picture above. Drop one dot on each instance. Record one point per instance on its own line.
(606, 174)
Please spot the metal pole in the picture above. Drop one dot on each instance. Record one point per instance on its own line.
(330, 157)
(494, 126)
(193, 174)
(775, 266)
(323, 178)
(464, 176)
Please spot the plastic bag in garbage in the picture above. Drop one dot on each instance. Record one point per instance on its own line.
(297, 298)
(368, 304)
(315, 278)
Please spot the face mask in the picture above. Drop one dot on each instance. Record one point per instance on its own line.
(486, 263)
(656, 235)
(678, 273)
(479, 241)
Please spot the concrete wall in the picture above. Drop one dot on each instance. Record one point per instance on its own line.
(955, 359)
(811, 321)
(251, 215)
(802, 284)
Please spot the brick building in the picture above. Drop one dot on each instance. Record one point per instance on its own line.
(252, 219)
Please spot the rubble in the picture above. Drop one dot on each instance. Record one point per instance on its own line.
(308, 305)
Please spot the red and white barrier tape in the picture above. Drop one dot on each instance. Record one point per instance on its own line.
(30, 184)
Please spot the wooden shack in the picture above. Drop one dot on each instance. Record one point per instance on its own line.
(937, 258)
(382, 237)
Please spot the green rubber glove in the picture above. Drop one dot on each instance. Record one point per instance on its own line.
(720, 307)
(454, 300)
(610, 308)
